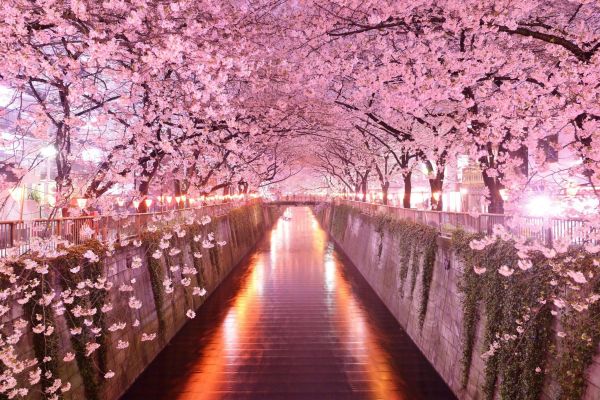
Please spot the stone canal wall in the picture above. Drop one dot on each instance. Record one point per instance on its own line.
(161, 312)
(422, 289)
(241, 228)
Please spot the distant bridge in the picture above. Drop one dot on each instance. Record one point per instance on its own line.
(297, 200)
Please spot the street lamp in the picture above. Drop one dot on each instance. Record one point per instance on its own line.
(136, 204)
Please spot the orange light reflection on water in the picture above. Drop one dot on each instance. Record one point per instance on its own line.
(301, 245)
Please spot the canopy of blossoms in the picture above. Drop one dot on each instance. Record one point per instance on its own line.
(188, 97)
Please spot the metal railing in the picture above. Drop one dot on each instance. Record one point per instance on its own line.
(544, 230)
(16, 237)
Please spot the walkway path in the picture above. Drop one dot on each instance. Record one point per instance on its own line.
(296, 321)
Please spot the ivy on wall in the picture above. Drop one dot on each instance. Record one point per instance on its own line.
(72, 268)
(578, 350)
(45, 346)
(518, 369)
(80, 280)
(413, 239)
(514, 311)
(151, 241)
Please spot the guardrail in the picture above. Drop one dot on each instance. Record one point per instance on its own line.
(17, 236)
(544, 230)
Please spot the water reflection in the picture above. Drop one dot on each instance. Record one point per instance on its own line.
(294, 322)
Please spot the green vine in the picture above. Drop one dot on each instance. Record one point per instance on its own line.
(578, 349)
(95, 298)
(151, 241)
(520, 364)
(414, 239)
(44, 346)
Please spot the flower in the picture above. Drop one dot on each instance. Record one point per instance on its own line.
(90, 347)
(35, 376)
(198, 291)
(190, 314)
(136, 262)
(479, 270)
(117, 326)
(561, 334)
(157, 254)
(91, 256)
(76, 331)
(480, 244)
(505, 271)
(205, 220)
(109, 375)
(125, 288)
(122, 344)
(559, 303)
(197, 255)
(75, 269)
(135, 303)
(578, 277)
(148, 337)
(524, 264)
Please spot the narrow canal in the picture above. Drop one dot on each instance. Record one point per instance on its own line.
(294, 321)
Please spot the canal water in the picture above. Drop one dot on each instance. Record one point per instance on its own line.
(295, 320)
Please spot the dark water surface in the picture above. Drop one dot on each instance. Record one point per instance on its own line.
(294, 321)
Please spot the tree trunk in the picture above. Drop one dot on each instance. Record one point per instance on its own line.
(385, 188)
(407, 189)
(493, 186)
(363, 188)
(436, 187)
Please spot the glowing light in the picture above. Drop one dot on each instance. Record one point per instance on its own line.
(81, 203)
(542, 205)
(464, 191)
(136, 203)
(504, 194)
(436, 196)
(16, 193)
(48, 151)
(183, 197)
(148, 202)
(572, 190)
(92, 154)
(169, 199)
(120, 202)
